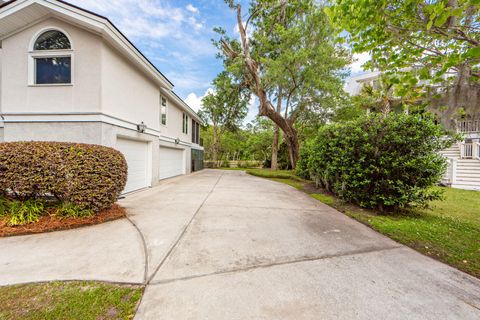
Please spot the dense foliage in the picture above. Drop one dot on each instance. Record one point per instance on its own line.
(418, 39)
(288, 57)
(90, 177)
(224, 108)
(250, 145)
(378, 162)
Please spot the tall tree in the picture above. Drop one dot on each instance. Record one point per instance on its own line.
(224, 108)
(425, 43)
(287, 53)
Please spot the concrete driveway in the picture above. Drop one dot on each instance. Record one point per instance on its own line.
(226, 245)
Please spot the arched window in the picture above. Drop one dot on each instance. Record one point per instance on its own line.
(52, 40)
(52, 58)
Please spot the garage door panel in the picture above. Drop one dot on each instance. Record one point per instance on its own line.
(172, 162)
(136, 154)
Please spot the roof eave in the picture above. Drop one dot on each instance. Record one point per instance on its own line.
(108, 31)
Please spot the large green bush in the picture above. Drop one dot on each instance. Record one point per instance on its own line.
(376, 162)
(90, 177)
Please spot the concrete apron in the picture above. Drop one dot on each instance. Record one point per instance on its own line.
(226, 245)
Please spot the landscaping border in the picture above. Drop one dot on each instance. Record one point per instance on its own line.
(52, 223)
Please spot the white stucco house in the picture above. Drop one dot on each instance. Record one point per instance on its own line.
(67, 74)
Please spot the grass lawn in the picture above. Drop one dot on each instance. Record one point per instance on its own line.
(69, 300)
(449, 231)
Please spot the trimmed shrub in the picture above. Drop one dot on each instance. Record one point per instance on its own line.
(376, 162)
(90, 177)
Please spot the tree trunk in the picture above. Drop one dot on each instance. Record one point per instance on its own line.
(276, 133)
(215, 146)
(293, 146)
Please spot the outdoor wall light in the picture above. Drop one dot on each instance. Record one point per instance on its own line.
(141, 127)
(177, 141)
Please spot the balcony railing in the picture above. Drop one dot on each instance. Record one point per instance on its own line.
(468, 126)
(470, 150)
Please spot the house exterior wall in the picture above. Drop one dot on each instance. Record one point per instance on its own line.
(107, 99)
(81, 132)
(83, 96)
(174, 125)
(127, 93)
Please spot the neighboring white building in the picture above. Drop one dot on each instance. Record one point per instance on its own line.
(354, 84)
(463, 170)
(67, 74)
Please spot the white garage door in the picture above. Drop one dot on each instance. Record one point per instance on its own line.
(172, 162)
(136, 154)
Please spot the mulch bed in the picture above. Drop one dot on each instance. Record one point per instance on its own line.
(51, 223)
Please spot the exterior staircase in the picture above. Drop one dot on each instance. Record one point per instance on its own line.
(463, 170)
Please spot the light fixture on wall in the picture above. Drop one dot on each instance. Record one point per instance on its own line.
(141, 127)
(177, 141)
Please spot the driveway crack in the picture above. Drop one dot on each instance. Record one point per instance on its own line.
(145, 249)
(175, 244)
(277, 264)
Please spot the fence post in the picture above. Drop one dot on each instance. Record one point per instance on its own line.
(454, 171)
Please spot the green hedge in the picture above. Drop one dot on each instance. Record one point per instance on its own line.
(376, 162)
(90, 177)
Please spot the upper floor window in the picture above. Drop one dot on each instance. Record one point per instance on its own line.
(163, 110)
(52, 40)
(195, 132)
(185, 123)
(51, 59)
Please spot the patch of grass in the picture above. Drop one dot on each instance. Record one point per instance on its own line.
(277, 174)
(459, 204)
(327, 199)
(449, 239)
(69, 300)
(294, 183)
(449, 231)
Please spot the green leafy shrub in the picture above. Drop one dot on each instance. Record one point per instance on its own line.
(88, 176)
(24, 212)
(376, 162)
(225, 164)
(4, 203)
(71, 210)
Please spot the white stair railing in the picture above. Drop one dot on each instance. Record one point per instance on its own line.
(476, 150)
(450, 175)
(466, 150)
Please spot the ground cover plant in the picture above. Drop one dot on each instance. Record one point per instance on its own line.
(69, 300)
(448, 230)
(49, 181)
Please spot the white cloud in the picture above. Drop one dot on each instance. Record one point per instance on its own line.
(152, 19)
(191, 8)
(359, 59)
(194, 101)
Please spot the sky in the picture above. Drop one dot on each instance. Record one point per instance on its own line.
(175, 35)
